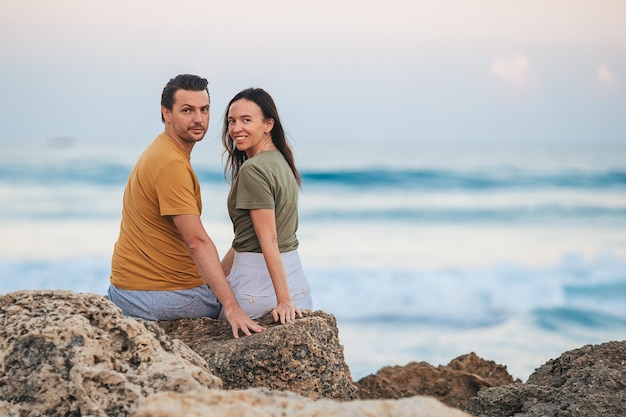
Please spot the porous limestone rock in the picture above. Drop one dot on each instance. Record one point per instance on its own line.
(259, 402)
(303, 356)
(585, 382)
(69, 354)
(453, 384)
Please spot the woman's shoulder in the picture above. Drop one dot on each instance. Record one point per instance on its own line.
(269, 164)
(267, 159)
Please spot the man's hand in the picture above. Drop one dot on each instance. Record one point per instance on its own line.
(205, 256)
(240, 321)
(286, 312)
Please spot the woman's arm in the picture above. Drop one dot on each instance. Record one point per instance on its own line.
(265, 227)
(227, 261)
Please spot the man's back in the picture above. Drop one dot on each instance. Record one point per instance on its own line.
(150, 253)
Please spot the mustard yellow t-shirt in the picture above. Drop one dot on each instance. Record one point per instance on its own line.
(150, 253)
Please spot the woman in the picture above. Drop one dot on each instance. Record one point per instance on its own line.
(263, 265)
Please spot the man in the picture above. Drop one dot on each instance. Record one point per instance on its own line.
(164, 264)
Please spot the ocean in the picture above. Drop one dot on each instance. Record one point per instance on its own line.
(423, 252)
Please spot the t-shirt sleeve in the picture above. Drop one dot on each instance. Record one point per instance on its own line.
(176, 190)
(254, 190)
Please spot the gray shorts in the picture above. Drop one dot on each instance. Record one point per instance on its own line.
(166, 305)
(253, 287)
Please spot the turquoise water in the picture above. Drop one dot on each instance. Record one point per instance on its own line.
(422, 252)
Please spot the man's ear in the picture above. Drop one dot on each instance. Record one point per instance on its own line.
(166, 114)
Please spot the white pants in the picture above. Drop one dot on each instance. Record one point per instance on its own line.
(253, 287)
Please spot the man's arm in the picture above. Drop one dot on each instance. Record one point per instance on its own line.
(207, 260)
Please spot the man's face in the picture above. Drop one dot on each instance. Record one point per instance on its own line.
(188, 120)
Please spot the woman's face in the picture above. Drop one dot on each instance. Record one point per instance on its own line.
(247, 127)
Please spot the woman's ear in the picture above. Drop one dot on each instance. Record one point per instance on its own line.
(269, 125)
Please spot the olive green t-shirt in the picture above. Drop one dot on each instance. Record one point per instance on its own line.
(264, 182)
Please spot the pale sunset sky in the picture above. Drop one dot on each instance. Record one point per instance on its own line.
(340, 70)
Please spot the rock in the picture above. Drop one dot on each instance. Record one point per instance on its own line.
(69, 354)
(585, 382)
(259, 402)
(303, 356)
(453, 384)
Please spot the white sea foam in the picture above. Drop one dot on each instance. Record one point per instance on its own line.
(515, 271)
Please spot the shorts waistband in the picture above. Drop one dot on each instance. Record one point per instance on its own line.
(257, 259)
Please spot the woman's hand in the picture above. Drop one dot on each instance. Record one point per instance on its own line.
(285, 312)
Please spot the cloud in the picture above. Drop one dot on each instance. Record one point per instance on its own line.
(606, 77)
(515, 69)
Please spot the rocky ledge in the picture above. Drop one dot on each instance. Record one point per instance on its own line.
(69, 354)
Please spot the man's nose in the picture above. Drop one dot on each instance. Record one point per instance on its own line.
(198, 116)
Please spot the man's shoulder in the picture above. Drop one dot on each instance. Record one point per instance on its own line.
(164, 150)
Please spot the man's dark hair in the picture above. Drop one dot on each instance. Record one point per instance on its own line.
(187, 82)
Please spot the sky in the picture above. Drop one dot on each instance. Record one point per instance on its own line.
(361, 72)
